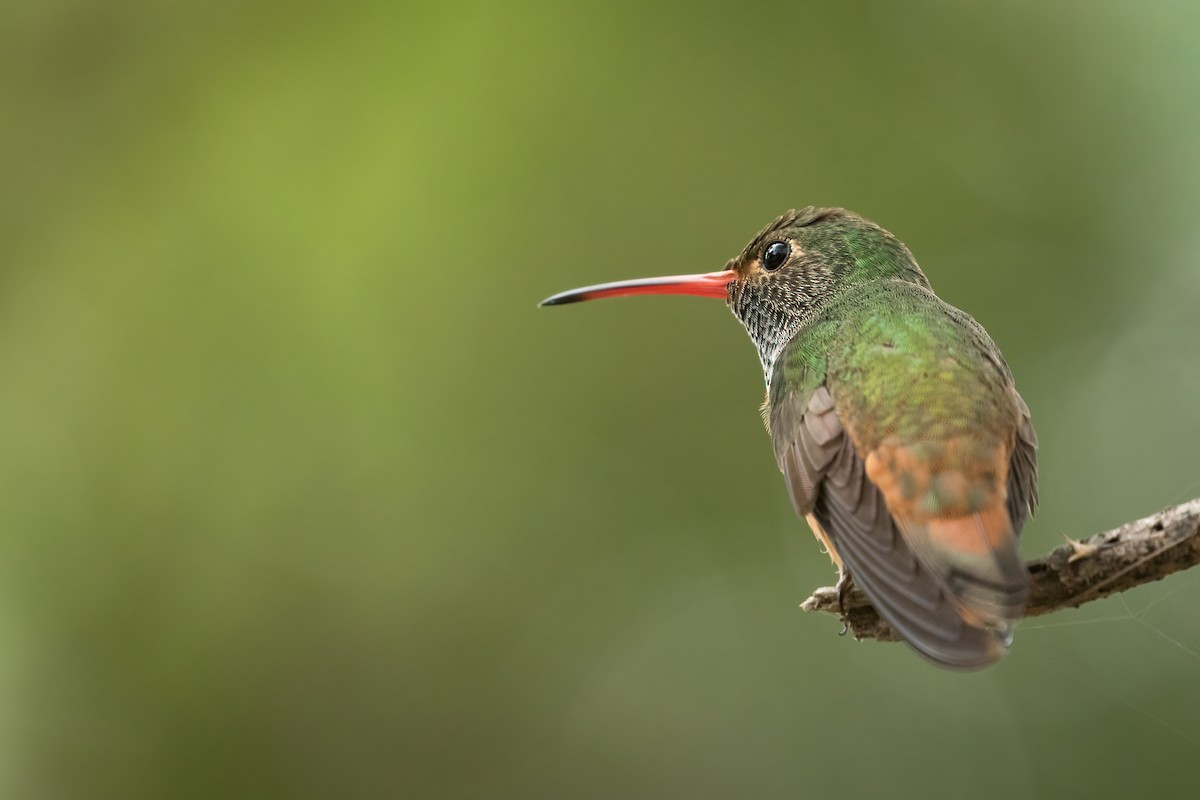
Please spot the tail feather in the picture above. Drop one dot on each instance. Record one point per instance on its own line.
(949, 501)
(977, 559)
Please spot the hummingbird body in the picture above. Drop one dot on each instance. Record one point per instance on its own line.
(894, 420)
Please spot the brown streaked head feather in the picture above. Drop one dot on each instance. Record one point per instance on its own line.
(783, 225)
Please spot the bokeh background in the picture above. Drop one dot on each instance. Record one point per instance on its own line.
(301, 496)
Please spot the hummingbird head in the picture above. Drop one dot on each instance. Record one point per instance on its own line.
(790, 272)
(804, 261)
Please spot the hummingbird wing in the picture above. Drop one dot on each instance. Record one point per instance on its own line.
(826, 477)
(1022, 474)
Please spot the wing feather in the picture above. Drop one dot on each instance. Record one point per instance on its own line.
(1022, 474)
(826, 477)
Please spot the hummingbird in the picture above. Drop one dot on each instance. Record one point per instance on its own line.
(895, 422)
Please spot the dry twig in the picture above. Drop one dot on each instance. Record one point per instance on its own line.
(1078, 572)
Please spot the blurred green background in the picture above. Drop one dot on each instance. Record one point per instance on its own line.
(301, 495)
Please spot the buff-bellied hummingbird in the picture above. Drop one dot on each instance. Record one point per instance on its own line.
(895, 421)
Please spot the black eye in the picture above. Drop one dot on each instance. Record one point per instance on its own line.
(774, 255)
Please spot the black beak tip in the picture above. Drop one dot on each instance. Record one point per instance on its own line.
(559, 300)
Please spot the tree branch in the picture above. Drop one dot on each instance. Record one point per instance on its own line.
(1138, 552)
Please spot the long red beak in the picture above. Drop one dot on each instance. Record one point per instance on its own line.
(710, 284)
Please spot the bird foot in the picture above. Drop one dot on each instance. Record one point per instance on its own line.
(844, 585)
